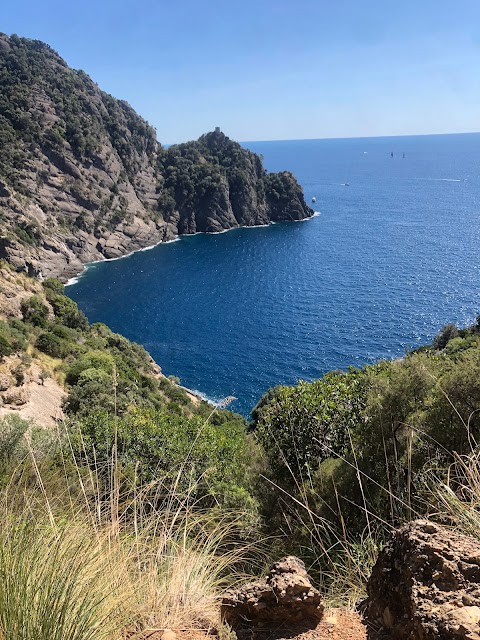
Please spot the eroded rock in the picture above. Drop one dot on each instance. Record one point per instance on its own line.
(15, 396)
(285, 596)
(5, 381)
(426, 584)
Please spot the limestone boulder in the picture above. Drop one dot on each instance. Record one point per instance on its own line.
(426, 584)
(5, 381)
(286, 596)
(15, 396)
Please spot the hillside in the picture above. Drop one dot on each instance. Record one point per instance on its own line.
(47, 342)
(328, 470)
(83, 177)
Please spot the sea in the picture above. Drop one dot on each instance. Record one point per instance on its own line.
(391, 255)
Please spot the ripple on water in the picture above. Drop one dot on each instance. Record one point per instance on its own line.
(389, 261)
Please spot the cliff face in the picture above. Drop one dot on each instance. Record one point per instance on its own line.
(214, 184)
(82, 176)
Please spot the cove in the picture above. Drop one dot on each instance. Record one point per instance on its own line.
(390, 259)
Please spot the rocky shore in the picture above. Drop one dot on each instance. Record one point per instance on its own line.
(83, 177)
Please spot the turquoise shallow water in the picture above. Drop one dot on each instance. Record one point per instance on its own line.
(390, 259)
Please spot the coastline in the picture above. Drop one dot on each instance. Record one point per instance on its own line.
(74, 279)
(195, 395)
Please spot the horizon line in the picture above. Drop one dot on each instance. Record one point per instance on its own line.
(401, 135)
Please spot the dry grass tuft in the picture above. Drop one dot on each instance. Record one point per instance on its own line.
(79, 561)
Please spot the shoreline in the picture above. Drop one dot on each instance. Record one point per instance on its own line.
(74, 279)
(195, 394)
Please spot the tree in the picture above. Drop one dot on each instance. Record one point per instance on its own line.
(34, 311)
(443, 337)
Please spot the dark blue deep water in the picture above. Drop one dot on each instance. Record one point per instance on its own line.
(390, 259)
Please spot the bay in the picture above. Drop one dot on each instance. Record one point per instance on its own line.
(391, 257)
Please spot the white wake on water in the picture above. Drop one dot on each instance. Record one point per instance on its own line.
(216, 402)
(76, 278)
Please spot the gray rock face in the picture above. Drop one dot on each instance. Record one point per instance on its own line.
(426, 584)
(84, 178)
(285, 596)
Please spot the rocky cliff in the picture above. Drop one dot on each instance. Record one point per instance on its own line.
(83, 177)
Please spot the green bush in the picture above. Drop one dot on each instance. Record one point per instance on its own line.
(211, 464)
(6, 348)
(53, 287)
(92, 360)
(300, 426)
(50, 344)
(12, 443)
(34, 311)
(67, 312)
(363, 442)
(447, 333)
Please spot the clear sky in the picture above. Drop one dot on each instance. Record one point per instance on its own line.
(272, 69)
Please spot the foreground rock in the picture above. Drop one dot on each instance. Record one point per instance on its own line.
(426, 584)
(286, 596)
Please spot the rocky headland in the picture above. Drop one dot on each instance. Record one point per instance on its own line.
(83, 177)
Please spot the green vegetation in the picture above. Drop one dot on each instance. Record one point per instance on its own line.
(79, 564)
(93, 360)
(13, 337)
(30, 69)
(213, 173)
(353, 454)
(55, 121)
(53, 115)
(116, 395)
(133, 513)
(210, 462)
(162, 489)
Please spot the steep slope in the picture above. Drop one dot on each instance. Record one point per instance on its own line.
(82, 176)
(214, 184)
(46, 345)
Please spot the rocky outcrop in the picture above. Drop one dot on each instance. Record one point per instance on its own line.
(32, 396)
(14, 288)
(83, 177)
(426, 584)
(285, 597)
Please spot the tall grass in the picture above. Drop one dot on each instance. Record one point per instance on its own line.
(449, 495)
(455, 495)
(59, 582)
(80, 560)
(184, 573)
(340, 562)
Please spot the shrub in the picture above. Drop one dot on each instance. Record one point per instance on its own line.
(53, 287)
(67, 312)
(12, 449)
(34, 311)
(447, 333)
(209, 463)
(50, 344)
(93, 359)
(6, 347)
(300, 426)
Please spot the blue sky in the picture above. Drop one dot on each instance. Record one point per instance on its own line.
(272, 69)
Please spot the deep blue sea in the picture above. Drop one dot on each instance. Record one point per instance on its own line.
(389, 260)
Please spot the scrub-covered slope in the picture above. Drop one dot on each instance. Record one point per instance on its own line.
(82, 176)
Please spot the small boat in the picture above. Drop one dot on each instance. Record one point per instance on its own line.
(314, 199)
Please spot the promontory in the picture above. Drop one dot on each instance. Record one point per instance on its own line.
(83, 177)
